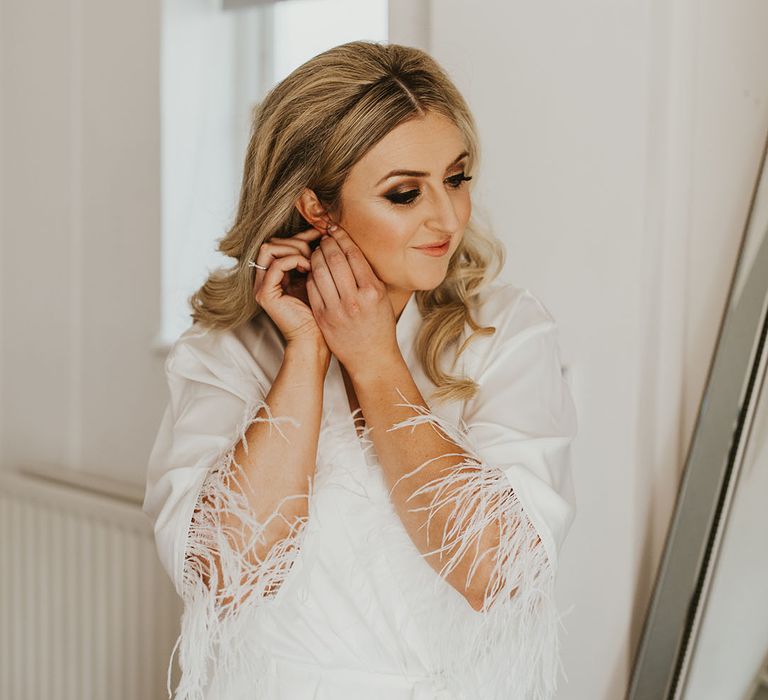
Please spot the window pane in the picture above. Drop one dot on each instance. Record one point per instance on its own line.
(305, 28)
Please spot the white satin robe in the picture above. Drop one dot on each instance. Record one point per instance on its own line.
(358, 612)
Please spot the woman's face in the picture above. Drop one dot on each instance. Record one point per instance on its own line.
(388, 215)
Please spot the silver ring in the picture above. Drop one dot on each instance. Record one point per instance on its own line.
(253, 264)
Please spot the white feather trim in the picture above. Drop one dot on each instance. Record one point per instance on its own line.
(217, 644)
(506, 651)
(510, 649)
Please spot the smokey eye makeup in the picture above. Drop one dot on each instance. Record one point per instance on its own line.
(409, 196)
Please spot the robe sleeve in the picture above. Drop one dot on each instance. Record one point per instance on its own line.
(193, 480)
(516, 433)
(524, 421)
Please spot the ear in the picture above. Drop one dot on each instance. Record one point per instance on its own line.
(312, 210)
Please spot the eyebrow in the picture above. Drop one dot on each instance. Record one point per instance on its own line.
(418, 173)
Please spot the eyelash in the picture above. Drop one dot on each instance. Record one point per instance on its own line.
(396, 197)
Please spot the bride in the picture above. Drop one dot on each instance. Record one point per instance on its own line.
(361, 483)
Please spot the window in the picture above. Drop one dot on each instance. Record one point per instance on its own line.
(218, 60)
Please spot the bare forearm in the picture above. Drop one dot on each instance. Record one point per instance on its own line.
(274, 474)
(401, 452)
(278, 467)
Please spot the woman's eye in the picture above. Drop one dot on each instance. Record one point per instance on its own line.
(456, 180)
(402, 197)
(410, 196)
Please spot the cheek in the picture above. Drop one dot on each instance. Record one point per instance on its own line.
(464, 207)
(381, 231)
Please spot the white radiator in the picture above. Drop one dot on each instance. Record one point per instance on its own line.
(86, 610)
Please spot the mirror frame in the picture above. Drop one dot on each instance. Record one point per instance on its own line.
(710, 474)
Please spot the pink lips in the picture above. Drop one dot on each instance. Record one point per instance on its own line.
(435, 250)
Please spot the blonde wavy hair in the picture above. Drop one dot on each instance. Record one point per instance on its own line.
(308, 131)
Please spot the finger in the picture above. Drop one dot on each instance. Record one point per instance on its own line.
(323, 278)
(267, 253)
(301, 239)
(315, 298)
(264, 258)
(309, 234)
(336, 259)
(358, 264)
(294, 245)
(273, 275)
(276, 249)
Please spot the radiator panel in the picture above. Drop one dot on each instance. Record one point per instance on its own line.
(86, 610)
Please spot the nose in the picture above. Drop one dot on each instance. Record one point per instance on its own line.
(442, 212)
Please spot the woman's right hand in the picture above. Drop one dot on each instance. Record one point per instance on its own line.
(281, 289)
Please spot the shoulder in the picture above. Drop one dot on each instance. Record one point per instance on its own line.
(515, 312)
(500, 302)
(251, 352)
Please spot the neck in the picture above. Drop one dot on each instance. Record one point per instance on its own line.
(399, 298)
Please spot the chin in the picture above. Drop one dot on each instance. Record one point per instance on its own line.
(426, 286)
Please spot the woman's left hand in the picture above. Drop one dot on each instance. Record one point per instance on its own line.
(350, 304)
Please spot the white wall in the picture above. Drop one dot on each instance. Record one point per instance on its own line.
(80, 234)
(620, 144)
